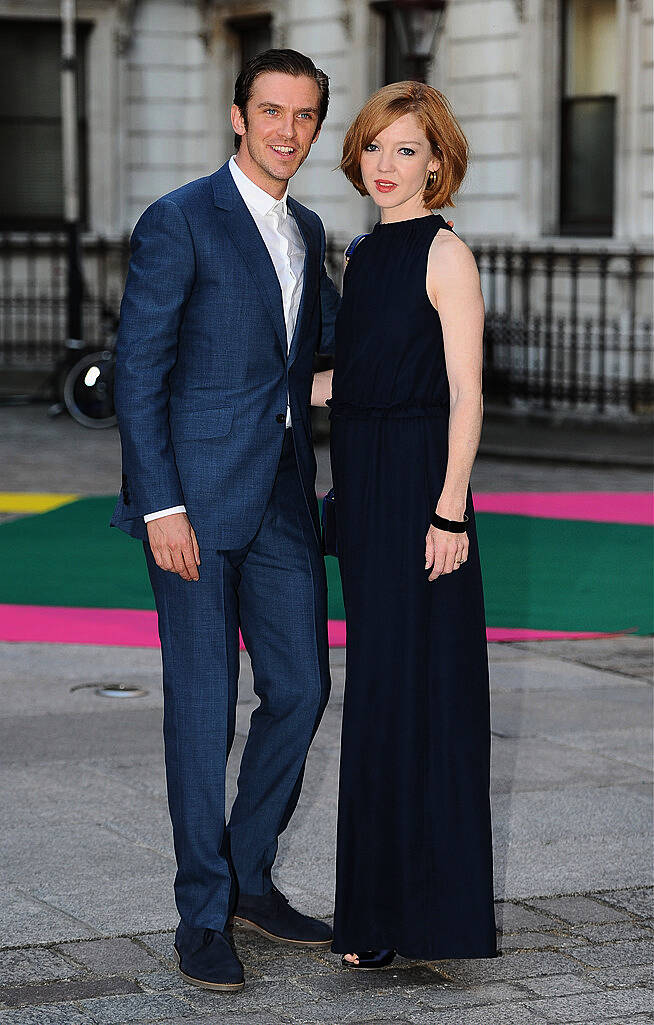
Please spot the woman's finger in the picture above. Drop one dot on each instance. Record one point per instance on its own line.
(439, 562)
(450, 559)
(464, 548)
(429, 550)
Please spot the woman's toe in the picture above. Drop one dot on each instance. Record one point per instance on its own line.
(352, 958)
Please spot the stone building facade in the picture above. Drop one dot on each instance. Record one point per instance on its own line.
(555, 97)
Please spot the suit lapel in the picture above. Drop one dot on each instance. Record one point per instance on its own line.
(310, 277)
(245, 236)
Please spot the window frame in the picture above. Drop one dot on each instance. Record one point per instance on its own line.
(19, 222)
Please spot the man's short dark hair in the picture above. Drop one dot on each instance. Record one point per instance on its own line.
(288, 62)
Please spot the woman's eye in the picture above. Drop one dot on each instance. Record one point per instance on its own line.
(407, 151)
(370, 147)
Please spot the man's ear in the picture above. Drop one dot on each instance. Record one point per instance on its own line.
(238, 121)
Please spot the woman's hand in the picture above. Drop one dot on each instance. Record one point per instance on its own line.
(321, 390)
(444, 551)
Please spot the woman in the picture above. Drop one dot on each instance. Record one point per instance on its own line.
(414, 856)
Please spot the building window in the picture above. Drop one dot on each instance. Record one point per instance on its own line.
(31, 189)
(588, 117)
(254, 35)
(393, 64)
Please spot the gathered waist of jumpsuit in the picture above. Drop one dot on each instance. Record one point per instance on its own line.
(391, 411)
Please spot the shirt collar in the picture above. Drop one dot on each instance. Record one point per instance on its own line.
(255, 197)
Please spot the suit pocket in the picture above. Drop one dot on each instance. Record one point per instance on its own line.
(206, 423)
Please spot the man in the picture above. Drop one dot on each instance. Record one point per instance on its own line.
(226, 302)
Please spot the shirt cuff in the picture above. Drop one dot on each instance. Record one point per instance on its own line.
(164, 512)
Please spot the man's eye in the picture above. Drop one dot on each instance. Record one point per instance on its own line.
(307, 115)
(271, 110)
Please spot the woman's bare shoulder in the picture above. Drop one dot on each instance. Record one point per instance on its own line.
(450, 259)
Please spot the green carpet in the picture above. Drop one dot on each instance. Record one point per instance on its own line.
(538, 573)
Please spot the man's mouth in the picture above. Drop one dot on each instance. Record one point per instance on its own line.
(383, 185)
(284, 151)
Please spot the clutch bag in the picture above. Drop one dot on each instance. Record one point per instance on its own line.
(328, 521)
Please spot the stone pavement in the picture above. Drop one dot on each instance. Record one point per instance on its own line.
(87, 915)
(86, 863)
(39, 454)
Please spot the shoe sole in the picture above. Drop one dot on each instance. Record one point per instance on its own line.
(217, 987)
(245, 923)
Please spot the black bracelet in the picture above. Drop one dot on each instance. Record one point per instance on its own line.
(454, 526)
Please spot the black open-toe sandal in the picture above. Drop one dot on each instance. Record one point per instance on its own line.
(370, 960)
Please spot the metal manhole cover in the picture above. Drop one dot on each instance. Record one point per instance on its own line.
(112, 690)
(120, 690)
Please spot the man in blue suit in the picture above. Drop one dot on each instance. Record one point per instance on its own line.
(226, 303)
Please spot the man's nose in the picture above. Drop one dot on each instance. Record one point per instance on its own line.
(288, 127)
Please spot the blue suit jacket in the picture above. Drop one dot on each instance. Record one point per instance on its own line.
(202, 370)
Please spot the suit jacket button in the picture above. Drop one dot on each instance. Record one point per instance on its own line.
(281, 418)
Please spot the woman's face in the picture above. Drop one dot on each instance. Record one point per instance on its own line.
(395, 165)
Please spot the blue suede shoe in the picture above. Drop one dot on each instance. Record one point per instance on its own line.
(273, 916)
(208, 958)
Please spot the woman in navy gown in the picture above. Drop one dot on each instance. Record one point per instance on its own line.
(414, 855)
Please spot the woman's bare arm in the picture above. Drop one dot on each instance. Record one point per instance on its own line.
(454, 289)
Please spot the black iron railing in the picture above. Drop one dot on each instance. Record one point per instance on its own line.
(566, 329)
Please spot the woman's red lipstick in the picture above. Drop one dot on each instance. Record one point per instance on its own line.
(384, 186)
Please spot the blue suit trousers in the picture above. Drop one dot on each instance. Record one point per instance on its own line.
(274, 589)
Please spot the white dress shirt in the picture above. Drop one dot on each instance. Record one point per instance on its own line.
(283, 241)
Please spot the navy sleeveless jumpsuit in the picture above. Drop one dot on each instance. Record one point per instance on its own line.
(414, 854)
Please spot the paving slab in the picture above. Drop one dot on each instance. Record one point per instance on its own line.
(26, 919)
(563, 985)
(108, 956)
(504, 1014)
(55, 992)
(160, 943)
(512, 918)
(553, 940)
(537, 763)
(637, 902)
(627, 976)
(634, 746)
(578, 908)
(46, 1014)
(30, 965)
(572, 821)
(592, 1006)
(132, 904)
(119, 1010)
(614, 955)
(611, 932)
(628, 656)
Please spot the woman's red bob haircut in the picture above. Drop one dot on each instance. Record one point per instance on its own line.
(434, 113)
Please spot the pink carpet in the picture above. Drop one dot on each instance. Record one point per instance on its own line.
(137, 628)
(597, 506)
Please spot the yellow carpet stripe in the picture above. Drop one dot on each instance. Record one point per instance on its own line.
(32, 501)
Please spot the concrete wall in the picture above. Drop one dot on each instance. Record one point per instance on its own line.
(160, 80)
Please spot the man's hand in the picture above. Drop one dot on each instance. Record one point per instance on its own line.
(174, 545)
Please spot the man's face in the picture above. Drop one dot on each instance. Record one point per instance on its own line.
(282, 118)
